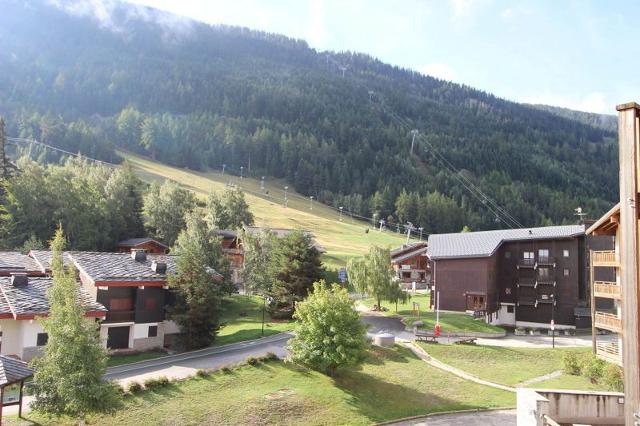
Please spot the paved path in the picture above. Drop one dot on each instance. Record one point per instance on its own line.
(549, 376)
(476, 418)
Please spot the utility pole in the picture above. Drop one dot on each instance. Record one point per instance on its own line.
(241, 171)
(343, 69)
(375, 215)
(413, 140)
(310, 202)
(420, 229)
(286, 200)
(4, 167)
(580, 214)
(381, 224)
(409, 228)
(340, 213)
(262, 183)
(223, 167)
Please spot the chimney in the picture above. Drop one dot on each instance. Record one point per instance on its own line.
(19, 279)
(139, 255)
(159, 267)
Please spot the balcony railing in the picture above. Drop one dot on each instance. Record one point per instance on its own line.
(608, 321)
(609, 351)
(526, 263)
(545, 281)
(526, 282)
(546, 260)
(605, 258)
(606, 289)
(120, 316)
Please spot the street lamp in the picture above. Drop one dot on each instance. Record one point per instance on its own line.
(310, 202)
(241, 170)
(286, 200)
(340, 213)
(223, 167)
(262, 183)
(420, 229)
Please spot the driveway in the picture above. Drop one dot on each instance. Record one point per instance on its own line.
(477, 418)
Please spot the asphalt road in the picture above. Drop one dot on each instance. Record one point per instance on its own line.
(479, 418)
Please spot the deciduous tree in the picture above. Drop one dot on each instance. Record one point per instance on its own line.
(165, 207)
(374, 275)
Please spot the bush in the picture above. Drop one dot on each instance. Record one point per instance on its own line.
(571, 364)
(270, 356)
(156, 383)
(225, 370)
(593, 368)
(203, 373)
(612, 378)
(134, 387)
(252, 360)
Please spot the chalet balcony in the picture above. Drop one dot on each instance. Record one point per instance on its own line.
(607, 321)
(526, 263)
(526, 301)
(606, 289)
(526, 282)
(120, 316)
(545, 282)
(607, 258)
(609, 351)
(546, 260)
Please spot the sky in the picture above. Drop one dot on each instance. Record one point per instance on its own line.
(578, 54)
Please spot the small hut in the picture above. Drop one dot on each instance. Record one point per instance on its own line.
(13, 373)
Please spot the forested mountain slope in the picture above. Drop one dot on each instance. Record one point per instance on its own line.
(198, 96)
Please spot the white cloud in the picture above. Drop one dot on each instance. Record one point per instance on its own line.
(592, 102)
(463, 10)
(437, 69)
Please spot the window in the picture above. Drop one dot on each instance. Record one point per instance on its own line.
(543, 272)
(565, 253)
(509, 309)
(153, 331)
(413, 261)
(122, 304)
(543, 253)
(150, 304)
(527, 255)
(566, 272)
(507, 255)
(42, 339)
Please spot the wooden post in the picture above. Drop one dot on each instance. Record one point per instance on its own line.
(629, 256)
(20, 400)
(593, 304)
(1, 402)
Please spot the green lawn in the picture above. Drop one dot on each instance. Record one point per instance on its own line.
(507, 366)
(403, 308)
(242, 320)
(342, 239)
(128, 359)
(453, 322)
(567, 381)
(392, 384)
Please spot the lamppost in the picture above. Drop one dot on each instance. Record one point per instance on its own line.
(286, 201)
(553, 323)
(340, 213)
(310, 202)
(223, 167)
(241, 171)
(420, 229)
(262, 183)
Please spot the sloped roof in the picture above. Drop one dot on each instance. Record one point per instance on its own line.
(408, 251)
(485, 243)
(102, 266)
(31, 299)
(13, 370)
(43, 259)
(14, 261)
(607, 224)
(134, 242)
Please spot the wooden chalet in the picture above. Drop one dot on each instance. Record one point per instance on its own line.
(149, 245)
(411, 263)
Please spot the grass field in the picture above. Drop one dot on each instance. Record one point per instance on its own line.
(403, 308)
(392, 384)
(567, 381)
(451, 322)
(507, 366)
(242, 320)
(342, 240)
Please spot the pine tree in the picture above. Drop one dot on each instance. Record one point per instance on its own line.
(198, 295)
(68, 377)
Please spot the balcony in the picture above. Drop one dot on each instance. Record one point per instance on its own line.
(526, 263)
(545, 282)
(546, 260)
(607, 321)
(606, 289)
(609, 351)
(526, 282)
(120, 316)
(605, 259)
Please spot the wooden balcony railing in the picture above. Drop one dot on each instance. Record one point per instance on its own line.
(609, 351)
(608, 321)
(120, 316)
(526, 282)
(605, 258)
(546, 260)
(526, 263)
(606, 289)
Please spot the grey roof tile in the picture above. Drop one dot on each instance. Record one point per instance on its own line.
(132, 242)
(121, 267)
(13, 370)
(43, 259)
(13, 261)
(31, 299)
(485, 243)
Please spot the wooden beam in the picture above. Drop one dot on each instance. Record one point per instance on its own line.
(629, 256)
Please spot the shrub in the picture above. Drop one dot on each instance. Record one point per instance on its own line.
(270, 356)
(134, 387)
(203, 373)
(156, 383)
(571, 363)
(612, 378)
(252, 360)
(225, 370)
(593, 368)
